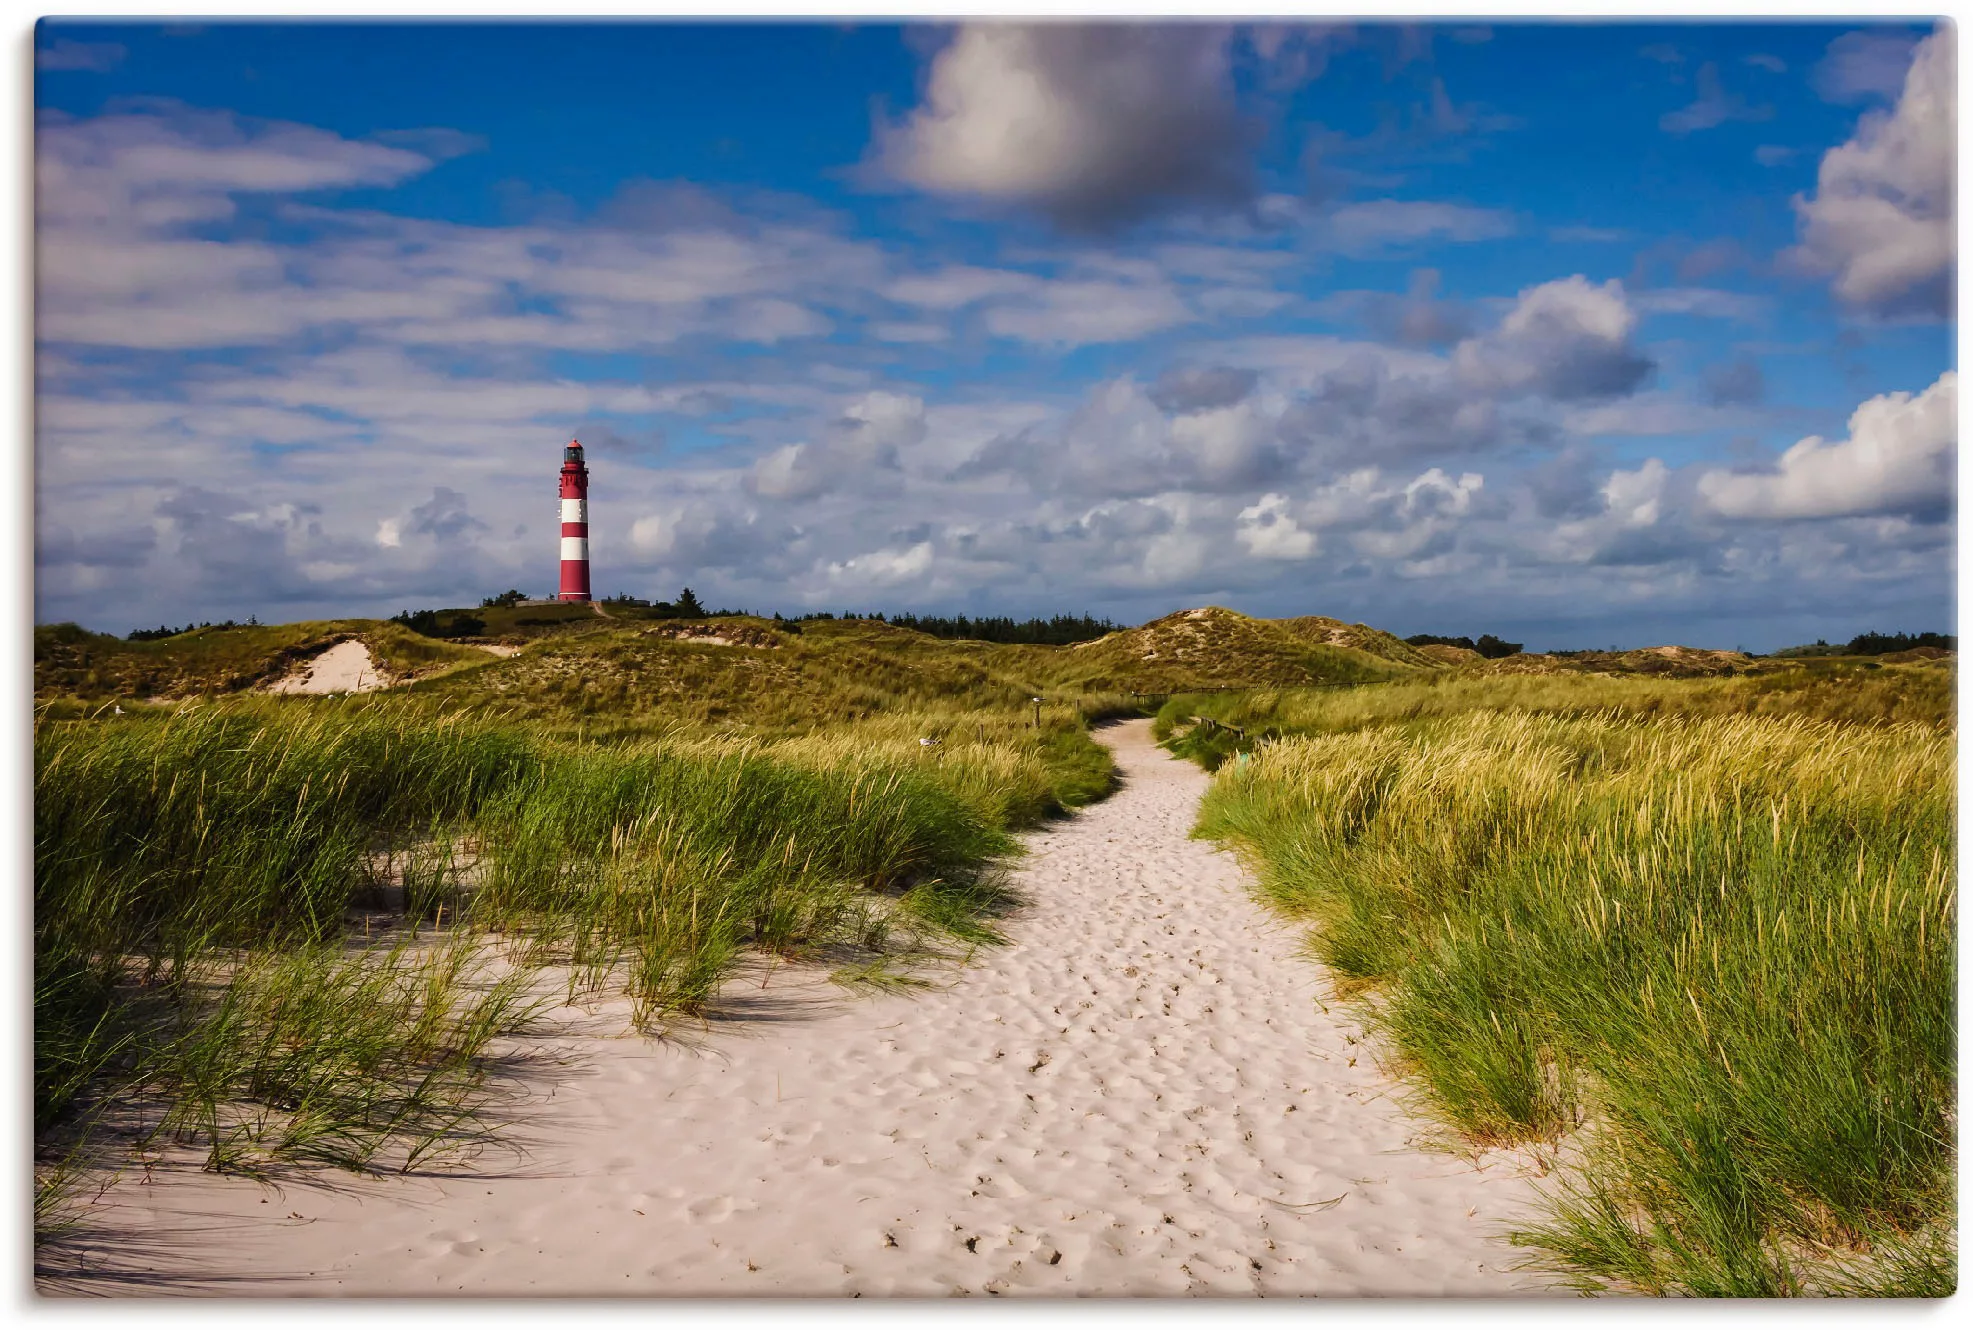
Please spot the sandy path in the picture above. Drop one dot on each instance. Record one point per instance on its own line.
(1141, 1096)
(345, 667)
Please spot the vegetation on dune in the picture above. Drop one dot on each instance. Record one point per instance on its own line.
(1856, 693)
(72, 662)
(204, 876)
(1703, 929)
(1217, 648)
(297, 930)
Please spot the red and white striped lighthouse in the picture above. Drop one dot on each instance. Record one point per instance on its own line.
(575, 524)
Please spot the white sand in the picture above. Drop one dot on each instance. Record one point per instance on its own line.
(345, 667)
(1141, 1096)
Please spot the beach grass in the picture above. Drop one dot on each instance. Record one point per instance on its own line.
(295, 931)
(1854, 692)
(1712, 953)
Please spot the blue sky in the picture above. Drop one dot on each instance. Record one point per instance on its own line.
(1584, 334)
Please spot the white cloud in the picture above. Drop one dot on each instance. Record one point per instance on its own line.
(1881, 219)
(1269, 532)
(883, 568)
(1436, 492)
(1094, 124)
(1897, 460)
(1633, 497)
(377, 340)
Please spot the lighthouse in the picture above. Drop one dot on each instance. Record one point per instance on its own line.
(575, 524)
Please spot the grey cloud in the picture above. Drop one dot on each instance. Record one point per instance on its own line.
(1568, 340)
(1419, 317)
(1363, 410)
(444, 516)
(1567, 486)
(1095, 125)
(861, 447)
(1201, 389)
(1737, 382)
(56, 546)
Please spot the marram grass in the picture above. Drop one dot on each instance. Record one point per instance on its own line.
(204, 881)
(1719, 950)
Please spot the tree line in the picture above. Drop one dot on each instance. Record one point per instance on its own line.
(1489, 646)
(1057, 630)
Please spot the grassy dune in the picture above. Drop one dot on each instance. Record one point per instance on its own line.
(621, 666)
(1711, 919)
(1849, 692)
(74, 665)
(278, 928)
(1695, 931)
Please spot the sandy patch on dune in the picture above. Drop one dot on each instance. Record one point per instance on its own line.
(1144, 1094)
(345, 667)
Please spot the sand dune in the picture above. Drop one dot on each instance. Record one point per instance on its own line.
(345, 667)
(1142, 1095)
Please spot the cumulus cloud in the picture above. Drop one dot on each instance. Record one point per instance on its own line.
(705, 532)
(862, 445)
(1881, 219)
(1268, 532)
(1096, 125)
(883, 569)
(1633, 498)
(1898, 460)
(1567, 339)
(358, 339)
